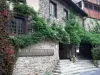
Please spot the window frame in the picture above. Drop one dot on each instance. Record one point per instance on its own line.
(89, 5)
(94, 7)
(80, 4)
(54, 15)
(67, 13)
(23, 28)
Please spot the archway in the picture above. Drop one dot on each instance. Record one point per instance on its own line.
(85, 51)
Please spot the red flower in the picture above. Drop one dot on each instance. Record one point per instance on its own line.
(5, 12)
(11, 52)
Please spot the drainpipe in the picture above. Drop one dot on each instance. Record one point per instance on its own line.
(84, 18)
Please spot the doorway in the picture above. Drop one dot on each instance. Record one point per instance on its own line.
(85, 51)
(64, 51)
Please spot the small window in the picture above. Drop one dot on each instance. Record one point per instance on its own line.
(99, 9)
(17, 26)
(53, 9)
(88, 5)
(80, 4)
(96, 8)
(66, 14)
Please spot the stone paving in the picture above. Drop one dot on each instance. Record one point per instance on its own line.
(67, 67)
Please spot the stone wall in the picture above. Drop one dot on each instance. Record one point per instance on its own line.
(61, 16)
(45, 11)
(30, 64)
(90, 23)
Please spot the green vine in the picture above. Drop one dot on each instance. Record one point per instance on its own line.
(78, 34)
(3, 5)
(72, 33)
(23, 9)
(42, 31)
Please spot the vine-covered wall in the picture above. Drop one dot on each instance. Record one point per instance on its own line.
(91, 24)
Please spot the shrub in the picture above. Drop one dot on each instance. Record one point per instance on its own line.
(23, 9)
(96, 53)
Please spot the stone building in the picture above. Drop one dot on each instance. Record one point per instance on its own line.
(42, 57)
(91, 22)
(92, 8)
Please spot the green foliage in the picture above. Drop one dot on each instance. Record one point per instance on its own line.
(96, 29)
(74, 30)
(96, 53)
(47, 73)
(42, 31)
(72, 33)
(3, 5)
(26, 40)
(78, 34)
(23, 9)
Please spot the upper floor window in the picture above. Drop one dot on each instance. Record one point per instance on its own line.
(80, 4)
(24, 1)
(97, 8)
(66, 14)
(88, 5)
(17, 26)
(92, 6)
(53, 9)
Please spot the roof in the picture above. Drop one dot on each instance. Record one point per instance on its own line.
(92, 3)
(76, 8)
(96, 2)
(76, 1)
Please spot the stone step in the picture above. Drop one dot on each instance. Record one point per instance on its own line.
(66, 67)
(57, 71)
(56, 74)
(78, 71)
(73, 66)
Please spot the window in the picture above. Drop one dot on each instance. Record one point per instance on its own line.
(22, 1)
(66, 14)
(88, 5)
(80, 4)
(97, 8)
(53, 9)
(17, 26)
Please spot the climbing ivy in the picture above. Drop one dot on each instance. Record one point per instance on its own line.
(23, 9)
(78, 33)
(3, 5)
(74, 29)
(96, 28)
(42, 31)
(72, 32)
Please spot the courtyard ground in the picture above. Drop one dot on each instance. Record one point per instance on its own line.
(67, 67)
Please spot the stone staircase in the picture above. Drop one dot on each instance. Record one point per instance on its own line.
(67, 67)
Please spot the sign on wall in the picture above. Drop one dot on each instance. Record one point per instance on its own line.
(36, 52)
